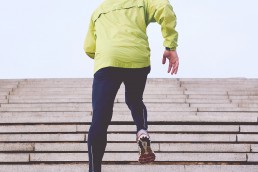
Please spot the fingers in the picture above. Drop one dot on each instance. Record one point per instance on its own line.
(175, 68)
(164, 59)
(170, 66)
(174, 65)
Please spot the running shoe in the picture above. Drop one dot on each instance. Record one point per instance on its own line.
(146, 155)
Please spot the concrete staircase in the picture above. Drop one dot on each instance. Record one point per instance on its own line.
(196, 125)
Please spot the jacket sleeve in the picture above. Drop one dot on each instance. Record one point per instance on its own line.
(161, 11)
(90, 41)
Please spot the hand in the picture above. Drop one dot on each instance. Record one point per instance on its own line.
(173, 61)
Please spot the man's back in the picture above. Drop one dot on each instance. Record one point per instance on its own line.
(121, 34)
(118, 28)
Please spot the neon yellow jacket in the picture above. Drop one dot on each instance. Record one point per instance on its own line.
(117, 32)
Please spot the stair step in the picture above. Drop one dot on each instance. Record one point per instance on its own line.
(254, 148)
(145, 96)
(222, 93)
(126, 128)
(85, 109)
(3, 101)
(131, 137)
(208, 101)
(124, 157)
(210, 105)
(122, 118)
(89, 105)
(249, 128)
(83, 167)
(244, 97)
(5, 90)
(83, 157)
(41, 137)
(247, 137)
(129, 147)
(248, 104)
(89, 91)
(226, 109)
(4, 93)
(181, 137)
(14, 157)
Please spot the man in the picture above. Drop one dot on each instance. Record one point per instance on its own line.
(118, 43)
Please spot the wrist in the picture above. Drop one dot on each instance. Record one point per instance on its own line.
(169, 49)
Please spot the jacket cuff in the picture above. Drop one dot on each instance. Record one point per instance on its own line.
(171, 46)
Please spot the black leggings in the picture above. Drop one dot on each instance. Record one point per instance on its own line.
(106, 83)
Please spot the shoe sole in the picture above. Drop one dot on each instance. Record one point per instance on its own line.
(148, 155)
(147, 158)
